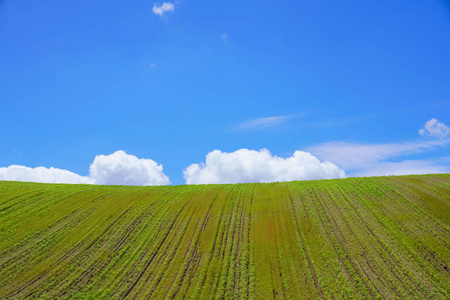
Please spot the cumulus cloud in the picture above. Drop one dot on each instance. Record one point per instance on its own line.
(246, 165)
(118, 168)
(124, 169)
(41, 174)
(435, 128)
(162, 9)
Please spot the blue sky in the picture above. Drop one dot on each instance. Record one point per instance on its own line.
(85, 78)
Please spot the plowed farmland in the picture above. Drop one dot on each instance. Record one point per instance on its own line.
(361, 238)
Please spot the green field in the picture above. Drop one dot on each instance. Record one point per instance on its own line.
(362, 238)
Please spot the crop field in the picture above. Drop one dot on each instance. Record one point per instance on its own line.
(354, 238)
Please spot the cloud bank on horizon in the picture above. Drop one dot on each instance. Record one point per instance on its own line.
(118, 168)
(243, 166)
(339, 160)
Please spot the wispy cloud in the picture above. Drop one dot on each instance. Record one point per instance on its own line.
(268, 122)
(406, 167)
(225, 37)
(357, 156)
(261, 123)
(163, 8)
(152, 65)
(359, 159)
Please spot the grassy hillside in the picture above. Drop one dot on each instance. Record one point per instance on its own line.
(386, 237)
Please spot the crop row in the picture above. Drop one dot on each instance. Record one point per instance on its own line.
(357, 238)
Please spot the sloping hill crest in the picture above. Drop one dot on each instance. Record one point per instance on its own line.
(359, 238)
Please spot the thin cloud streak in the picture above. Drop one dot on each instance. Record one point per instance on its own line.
(264, 123)
(261, 123)
(349, 155)
(406, 167)
(373, 159)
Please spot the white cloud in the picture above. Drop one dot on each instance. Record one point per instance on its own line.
(373, 159)
(261, 123)
(354, 155)
(153, 66)
(434, 128)
(405, 168)
(225, 37)
(41, 174)
(162, 9)
(124, 169)
(259, 166)
(117, 168)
